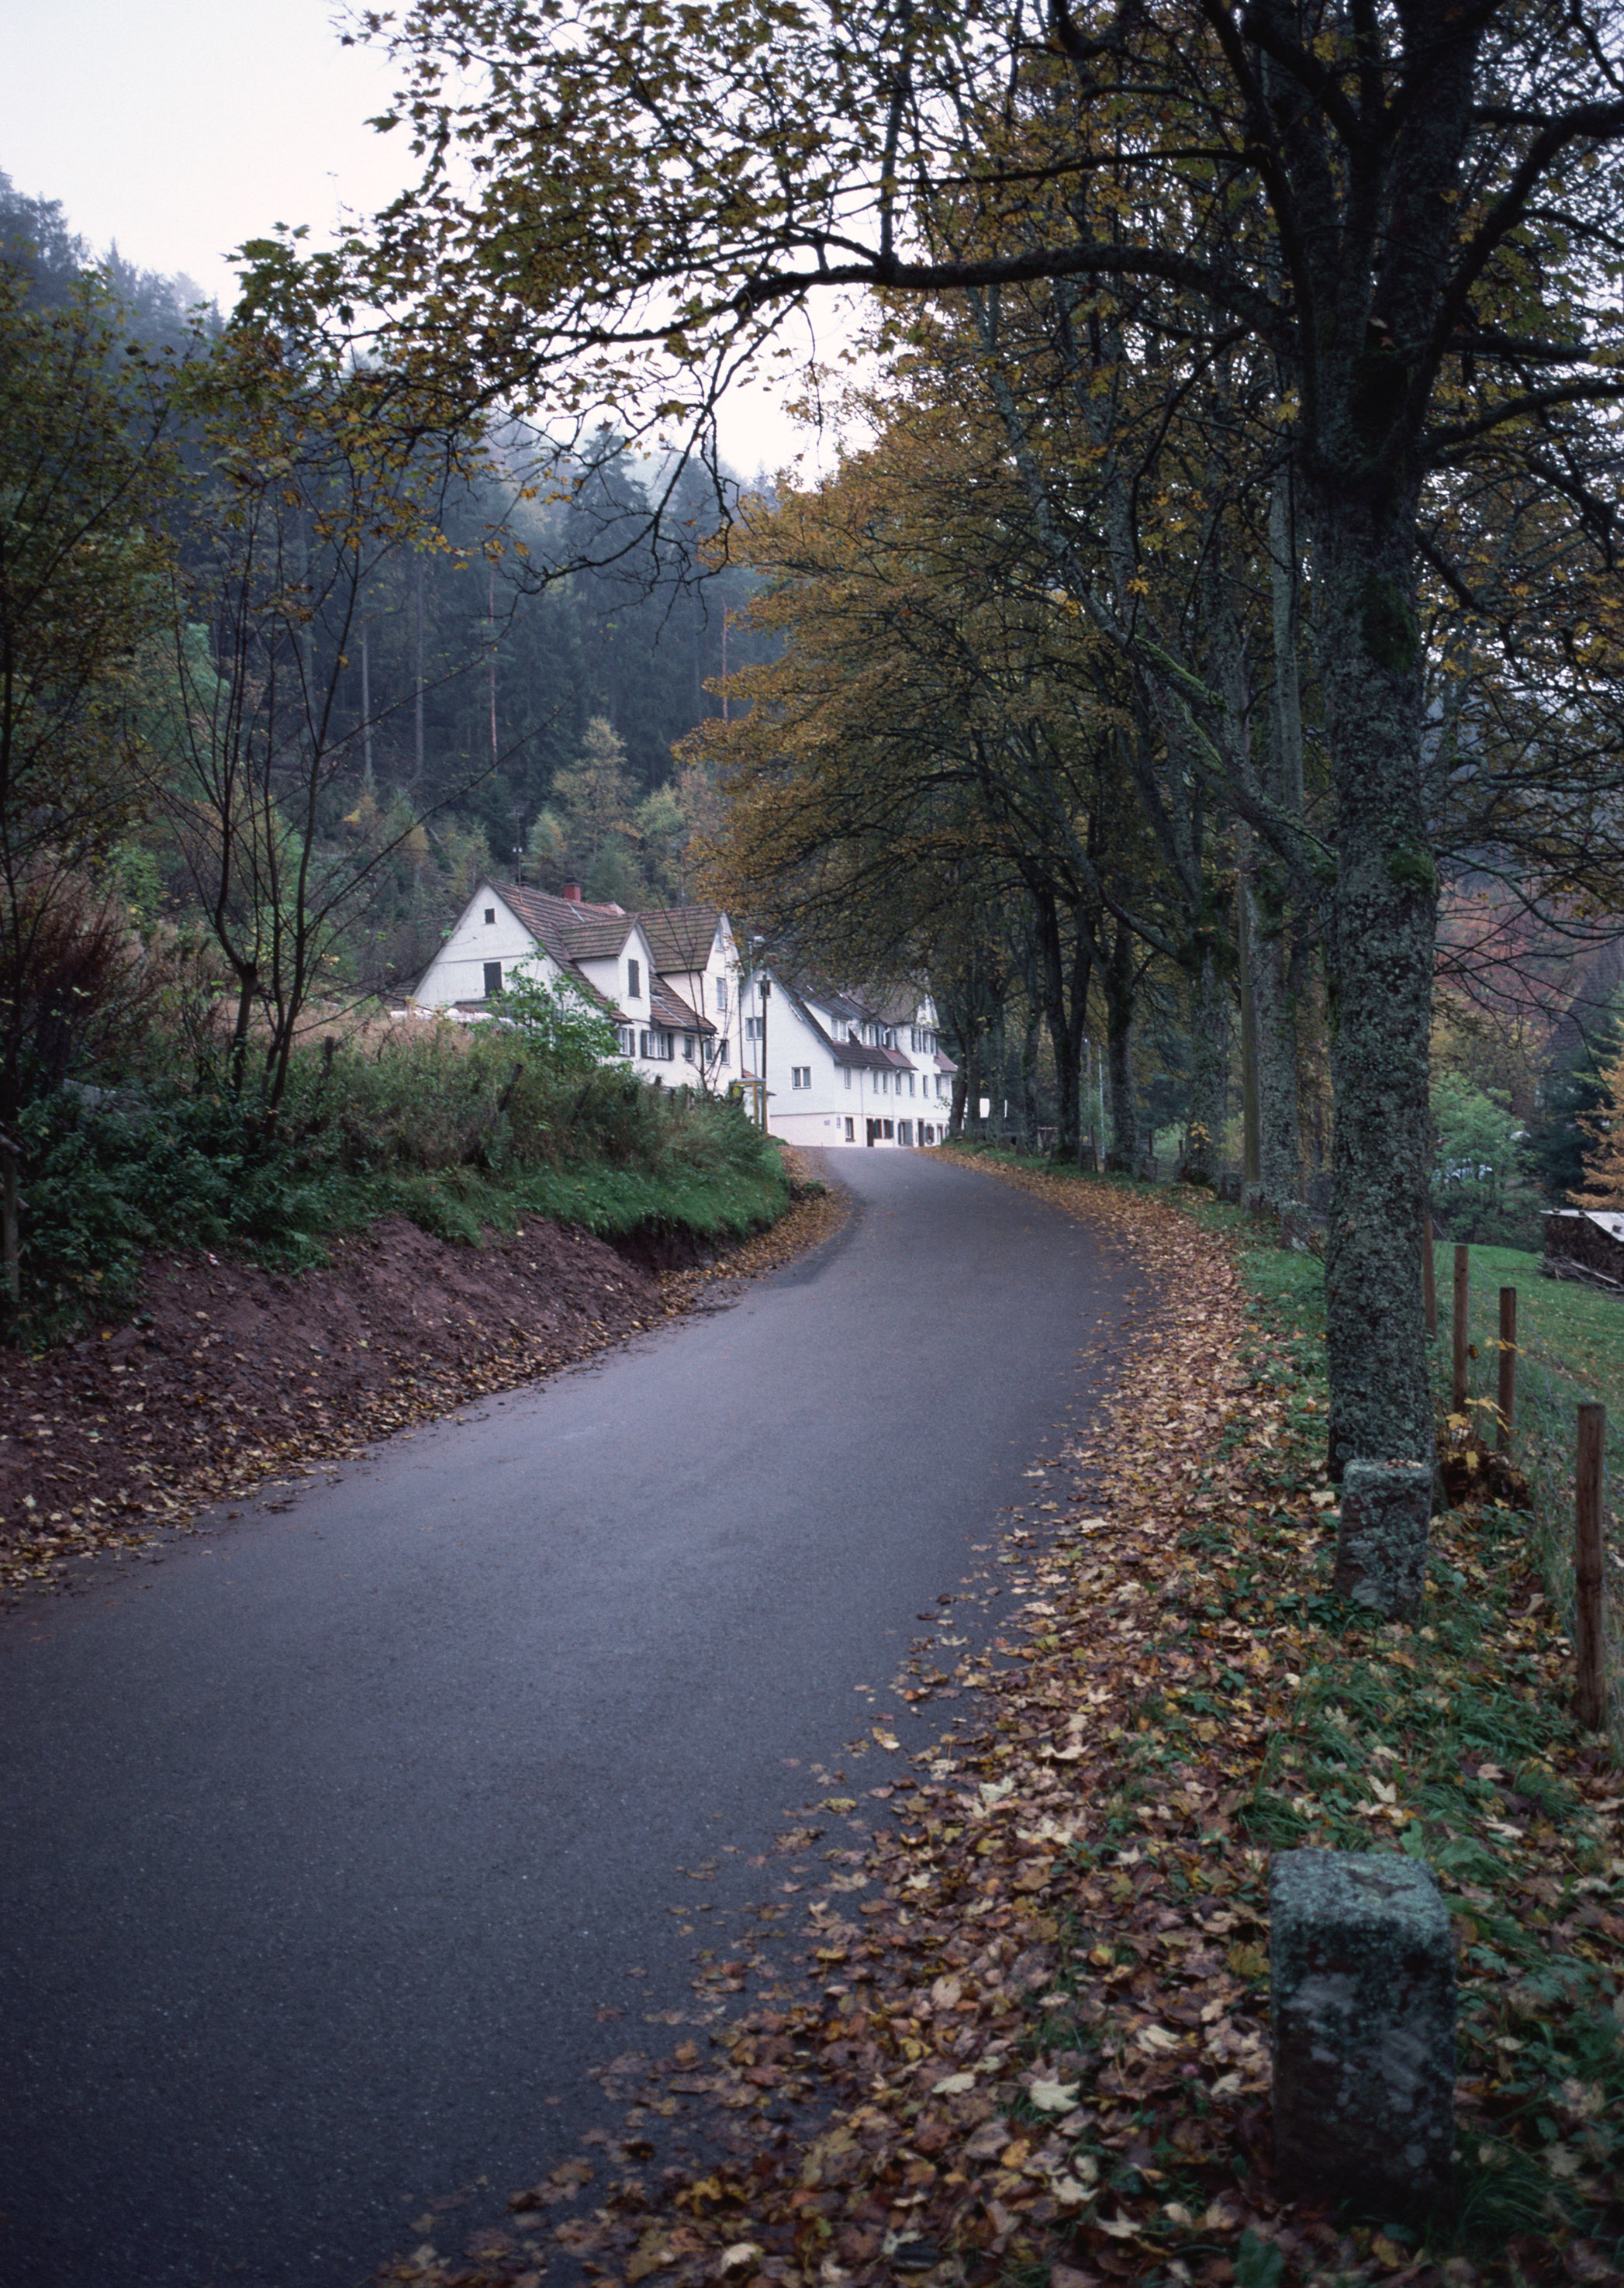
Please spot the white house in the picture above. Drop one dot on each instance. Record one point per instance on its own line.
(846, 1068)
(665, 978)
(841, 1067)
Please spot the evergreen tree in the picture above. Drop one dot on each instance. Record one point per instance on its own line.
(1575, 1091)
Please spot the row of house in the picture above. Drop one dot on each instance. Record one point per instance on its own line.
(838, 1067)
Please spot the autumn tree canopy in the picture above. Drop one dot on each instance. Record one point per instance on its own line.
(1407, 217)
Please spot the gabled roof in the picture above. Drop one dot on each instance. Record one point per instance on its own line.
(569, 927)
(680, 937)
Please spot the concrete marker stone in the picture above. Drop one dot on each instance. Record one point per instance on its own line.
(1381, 1536)
(1362, 2010)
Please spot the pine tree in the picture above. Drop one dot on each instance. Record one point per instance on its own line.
(1560, 1134)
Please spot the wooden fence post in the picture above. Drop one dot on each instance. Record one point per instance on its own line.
(1461, 1387)
(1428, 1278)
(1507, 1367)
(1589, 1687)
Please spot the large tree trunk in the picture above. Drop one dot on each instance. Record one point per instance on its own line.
(1384, 919)
(1280, 1152)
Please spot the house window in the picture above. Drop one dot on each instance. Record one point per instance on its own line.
(687, 1047)
(634, 981)
(752, 1029)
(721, 987)
(800, 1076)
(851, 1130)
(627, 1037)
(658, 1047)
(722, 1051)
(493, 977)
(848, 1075)
(910, 1084)
(888, 1127)
(904, 1131)
(490, 916)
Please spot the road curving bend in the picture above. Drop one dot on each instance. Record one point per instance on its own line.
(334, 1852)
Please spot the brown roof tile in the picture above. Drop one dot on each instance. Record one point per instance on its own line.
(680, 937)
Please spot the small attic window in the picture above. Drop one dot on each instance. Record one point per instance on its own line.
(634, 981)
(490, 916)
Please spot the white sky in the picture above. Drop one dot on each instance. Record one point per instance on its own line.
(179, 128)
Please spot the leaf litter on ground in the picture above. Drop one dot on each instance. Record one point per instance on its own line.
(1028, 2038)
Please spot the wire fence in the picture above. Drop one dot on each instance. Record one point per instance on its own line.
(1545, 1447)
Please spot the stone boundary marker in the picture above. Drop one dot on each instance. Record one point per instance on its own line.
(1382, 1537)
(1363, 2013)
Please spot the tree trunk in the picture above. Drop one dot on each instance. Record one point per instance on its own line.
(1251, 1156)
(1121, 1153)
(1029, 1080)
(1278, 1146)
(1382, 924)
(1208, 1067)
(1064, 1016)
(1275, 968)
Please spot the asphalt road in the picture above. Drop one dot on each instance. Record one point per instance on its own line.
(323, 1844)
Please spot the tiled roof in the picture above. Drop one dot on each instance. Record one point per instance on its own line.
(680, 937)
(570, 931)
(670, 1009)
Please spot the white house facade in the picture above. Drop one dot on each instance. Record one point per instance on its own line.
(664, 979)
(849, 1068)
(846, 1068)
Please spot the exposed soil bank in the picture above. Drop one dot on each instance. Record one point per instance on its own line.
(229, 1374)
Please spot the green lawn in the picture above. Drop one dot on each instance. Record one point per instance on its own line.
(1566, 1333)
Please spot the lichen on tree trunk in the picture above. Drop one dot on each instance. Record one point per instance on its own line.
(1278, 1148)
(1382, 916)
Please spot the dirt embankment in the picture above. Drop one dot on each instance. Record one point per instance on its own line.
(229, 1374)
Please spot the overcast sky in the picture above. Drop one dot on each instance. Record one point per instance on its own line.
(179, 128)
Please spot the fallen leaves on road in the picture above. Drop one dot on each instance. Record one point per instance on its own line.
(1031, 2026)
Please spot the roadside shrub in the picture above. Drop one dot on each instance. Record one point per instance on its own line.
(459, 1128)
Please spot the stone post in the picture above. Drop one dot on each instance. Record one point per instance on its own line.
(1363, 2011)
(1382, 1537)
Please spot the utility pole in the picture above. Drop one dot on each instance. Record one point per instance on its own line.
(765, 989)
(491, 623)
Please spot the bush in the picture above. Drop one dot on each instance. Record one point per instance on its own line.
(1475, 1161)
(460, 1128)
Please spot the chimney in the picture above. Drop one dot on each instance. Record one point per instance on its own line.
(571, 891)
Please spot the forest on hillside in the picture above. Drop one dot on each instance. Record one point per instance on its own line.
(451, 684)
